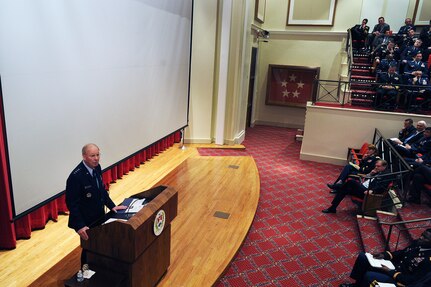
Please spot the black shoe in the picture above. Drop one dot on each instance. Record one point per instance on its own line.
(329, 210)
(334, 191)
(334, 186)
(348, 285)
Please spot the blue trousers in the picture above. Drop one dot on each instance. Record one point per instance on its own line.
(348, 169)
(365, 274)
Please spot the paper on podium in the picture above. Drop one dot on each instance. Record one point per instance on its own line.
(133, 205)
(379, 262)
(113, 219)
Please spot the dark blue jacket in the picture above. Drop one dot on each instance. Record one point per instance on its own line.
(84, 198)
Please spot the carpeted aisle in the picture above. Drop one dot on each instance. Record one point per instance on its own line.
(291, 242)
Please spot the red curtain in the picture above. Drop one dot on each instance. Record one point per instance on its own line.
(7, 232)
(21, 228)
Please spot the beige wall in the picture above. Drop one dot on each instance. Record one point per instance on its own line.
(202, 72)
(205, 69)
(289, 45)
(330, 131)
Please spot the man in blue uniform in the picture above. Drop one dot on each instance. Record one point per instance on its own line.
(412, 264)
(86, 196)
(387, 90)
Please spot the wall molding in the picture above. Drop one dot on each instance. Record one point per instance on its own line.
(278, 124)
(308, 33)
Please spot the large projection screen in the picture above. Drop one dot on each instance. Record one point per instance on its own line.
(112, 72)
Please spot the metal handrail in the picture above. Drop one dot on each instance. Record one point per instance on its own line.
(405, 221)
(397, 224)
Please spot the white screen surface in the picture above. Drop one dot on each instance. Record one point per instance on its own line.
(112, 72)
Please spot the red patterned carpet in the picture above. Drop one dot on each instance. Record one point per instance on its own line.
(291, 242)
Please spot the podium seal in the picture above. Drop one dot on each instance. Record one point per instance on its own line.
(159, 222)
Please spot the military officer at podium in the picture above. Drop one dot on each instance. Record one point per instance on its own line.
(86, 196)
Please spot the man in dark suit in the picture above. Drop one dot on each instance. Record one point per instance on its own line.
(412, 264)
(86, 196)
(412, 137)
(376, 182)
(421, 147)
(359, 34)
(407, 131)
(378, 30)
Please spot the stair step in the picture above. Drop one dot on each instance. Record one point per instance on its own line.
(369, 92)
(368, 78)
(415, 211)
(399, 237)
(362, 65)
(361, 54)
(371, 235)
(361, 60)
(361, 71)
(360, 86)
(361, 97)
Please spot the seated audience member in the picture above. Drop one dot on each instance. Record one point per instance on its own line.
(416, 64)
(403, 31)
(412, 264)
(407, 130)
(407, 41)
(419, 89)
(381, 52)
(375, 183)
(383, 64)
(412, 137)
(421, 147)
(383, 41)
(425, 36)
(359, 34)
(366, 165)
(409, 53)
(378, 30)
(421, 176)
(387, 89)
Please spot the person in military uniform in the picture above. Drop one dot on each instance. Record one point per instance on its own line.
(86, 196)
(418, 92)
(387, 89)
(412, 264)
(366, 165)
(404, 30)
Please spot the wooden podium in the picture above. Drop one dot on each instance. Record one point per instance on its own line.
(134, 248)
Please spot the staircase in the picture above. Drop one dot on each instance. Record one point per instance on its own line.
(374, 234)
(362, 78)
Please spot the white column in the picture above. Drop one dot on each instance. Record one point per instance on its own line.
(223, 70)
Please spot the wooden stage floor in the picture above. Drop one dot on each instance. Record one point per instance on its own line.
(202, 244)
